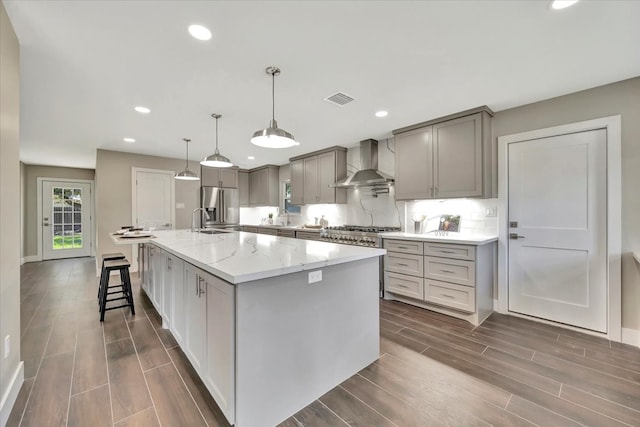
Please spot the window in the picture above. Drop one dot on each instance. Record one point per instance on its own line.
(288, 207)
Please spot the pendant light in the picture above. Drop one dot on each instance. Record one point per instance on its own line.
(186, 174)
(216, 160)
(273, 136)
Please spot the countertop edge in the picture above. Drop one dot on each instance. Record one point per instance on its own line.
(421, 238)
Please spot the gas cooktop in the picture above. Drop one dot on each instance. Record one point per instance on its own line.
(363, 228)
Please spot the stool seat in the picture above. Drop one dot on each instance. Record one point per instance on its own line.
(115, 255)
(122, 266)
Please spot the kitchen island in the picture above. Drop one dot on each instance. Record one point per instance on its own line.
(269, 323)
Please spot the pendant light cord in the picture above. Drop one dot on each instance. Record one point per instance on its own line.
(273, 96)
(186, 160)
(216, 134)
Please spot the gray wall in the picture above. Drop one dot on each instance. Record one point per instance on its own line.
(621, 98)
(113, 194)
(30, 212)
(9, 206)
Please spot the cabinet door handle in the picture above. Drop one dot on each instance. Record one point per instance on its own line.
(404, 265)
(403, 286)
(447, 271)
(448, 296)
(446, 252)
(402, 247)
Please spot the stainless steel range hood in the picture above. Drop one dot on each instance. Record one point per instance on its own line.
(369, 175)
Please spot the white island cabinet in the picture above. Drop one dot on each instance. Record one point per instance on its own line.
(266, 337)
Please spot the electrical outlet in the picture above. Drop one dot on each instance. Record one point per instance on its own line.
(491, 212)
(179, 205)
(315, 276)
(7, 346)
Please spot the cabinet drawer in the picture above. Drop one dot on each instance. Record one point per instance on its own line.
(287, 233)
(461, 298)
(249, 229)
(405, 246)
(404, 285)
(450, 270)
(404, 263)
(267, 230)
(449, 250)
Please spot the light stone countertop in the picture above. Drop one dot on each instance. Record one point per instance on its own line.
(284, 227)
(464, 239)
(241, 257)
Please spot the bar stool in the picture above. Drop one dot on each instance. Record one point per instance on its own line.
(121, 265)
(107, 257)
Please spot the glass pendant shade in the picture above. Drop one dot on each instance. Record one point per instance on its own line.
(272, 136)
(216, 160)
(186, 174)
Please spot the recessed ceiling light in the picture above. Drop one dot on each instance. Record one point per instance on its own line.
(251, 158)
(562, 4)
(382, 113)
(199, 32)
(142, 110)
(129, 140)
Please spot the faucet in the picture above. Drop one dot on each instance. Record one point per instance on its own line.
(193, 219)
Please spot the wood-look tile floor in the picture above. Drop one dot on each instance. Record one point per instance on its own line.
(433, 371)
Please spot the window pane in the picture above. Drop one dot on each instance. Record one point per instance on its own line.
(68, 236)
(68, 217)
(68, 193)
(77, 199)
(57, 230)
(77, 240)
(77, 218)
(57, 217)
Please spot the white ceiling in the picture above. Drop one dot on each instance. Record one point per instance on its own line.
(86, 64)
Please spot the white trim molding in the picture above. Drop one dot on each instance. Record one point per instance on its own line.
(30, 258)
(40, 180)
(10, 396)
(612, 125)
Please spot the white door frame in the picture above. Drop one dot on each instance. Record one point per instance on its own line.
(39, 181)
(612, 125)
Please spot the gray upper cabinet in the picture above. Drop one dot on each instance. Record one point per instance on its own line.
(445, 158)
(311, 175)
(297, 182)
(414, 178)
(264, 186)
(243, 188)
(219, 177)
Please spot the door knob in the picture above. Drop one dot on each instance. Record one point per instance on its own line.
(515, 236)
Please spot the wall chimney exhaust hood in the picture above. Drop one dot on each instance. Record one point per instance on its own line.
(369, 175)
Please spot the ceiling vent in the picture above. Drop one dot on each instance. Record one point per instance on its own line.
(339, 99)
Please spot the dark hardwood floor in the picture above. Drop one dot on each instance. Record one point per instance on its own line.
(433, 370)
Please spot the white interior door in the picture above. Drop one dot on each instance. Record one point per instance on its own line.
(558, 258)
(66, 219)
(153, 196)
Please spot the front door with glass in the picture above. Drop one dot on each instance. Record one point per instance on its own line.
(66, 219)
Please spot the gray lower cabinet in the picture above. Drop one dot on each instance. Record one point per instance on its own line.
(243, 188)
(448, 159)
(249, 228)
(268, 230)
(264, 185)
(450, 278)
(308, 235)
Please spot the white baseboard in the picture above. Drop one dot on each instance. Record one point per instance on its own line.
(10, 396)
(30, 258)
(631, 336)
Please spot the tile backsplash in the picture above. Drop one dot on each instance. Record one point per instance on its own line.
(478, 216)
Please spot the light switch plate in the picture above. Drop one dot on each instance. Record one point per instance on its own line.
(315, 276)
(179, 205)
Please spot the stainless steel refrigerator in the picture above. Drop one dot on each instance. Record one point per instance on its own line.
(221, 207)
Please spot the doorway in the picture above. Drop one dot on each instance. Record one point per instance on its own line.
(66, 219)
(559, 227)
